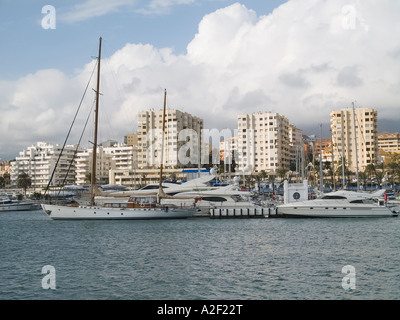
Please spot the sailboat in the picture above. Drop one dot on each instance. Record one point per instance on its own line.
(138, 207)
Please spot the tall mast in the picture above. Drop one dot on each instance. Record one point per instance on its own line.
(321, 178)
(355, 145)
(96, 113)
(161, 191)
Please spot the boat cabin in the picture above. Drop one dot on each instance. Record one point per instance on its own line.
(138, 201)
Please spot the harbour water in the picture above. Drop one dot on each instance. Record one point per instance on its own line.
(199, 259)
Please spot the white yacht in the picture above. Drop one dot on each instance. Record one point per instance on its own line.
(6, 204)
(136, 208)
(227, 197)
(170, 189)
(340, 204)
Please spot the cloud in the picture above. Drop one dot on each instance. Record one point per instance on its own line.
(303, 60)
(97, 8)
(94, 8)
(348, 77)
(162, 6)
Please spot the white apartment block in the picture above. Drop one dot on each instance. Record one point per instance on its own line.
(355, 137)
(263, 142)
(38, 161)
(150, 135)
(108, 160)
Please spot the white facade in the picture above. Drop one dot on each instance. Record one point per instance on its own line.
(117, 157)
(150, 135)
(38, 161)
(263, 142)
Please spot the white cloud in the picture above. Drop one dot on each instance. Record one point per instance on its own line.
(162, 6)
(305, 59)
(94, 8)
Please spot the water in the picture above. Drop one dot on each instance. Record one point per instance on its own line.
(198, 258)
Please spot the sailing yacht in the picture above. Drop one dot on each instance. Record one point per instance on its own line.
(138, 207)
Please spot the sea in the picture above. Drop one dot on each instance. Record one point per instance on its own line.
(198, 259)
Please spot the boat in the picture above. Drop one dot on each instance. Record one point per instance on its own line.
(340, 204)
(200, 184)
(138, 207)
(228, 197)
(6, 204)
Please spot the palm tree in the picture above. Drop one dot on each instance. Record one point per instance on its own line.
(363, 177)
(24, 181)
(272, 178)
(282, 173)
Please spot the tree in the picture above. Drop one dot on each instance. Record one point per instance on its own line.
(263, 175)
(272, 178)
(24, 181)
(363, 177)
(282, 173)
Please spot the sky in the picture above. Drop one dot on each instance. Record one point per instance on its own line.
(216, 59)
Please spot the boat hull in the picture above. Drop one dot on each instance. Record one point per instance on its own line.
(336, 212)
(19, 207)
(57, 212)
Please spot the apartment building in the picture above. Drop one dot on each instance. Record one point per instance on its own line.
(39, 161)
(131, 139)
(228, 149)
(5, 167)
(150, 135)
(263, 142)
(389, 142)
(355, 136)
(110, 159)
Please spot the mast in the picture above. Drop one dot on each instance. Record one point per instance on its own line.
(321, 178)
(160, 189)
(96, 112)
(356, 146)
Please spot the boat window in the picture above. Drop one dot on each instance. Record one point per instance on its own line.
(152, 187)
(357, 201)
(238, 198)
(333, 197)
(214, 199)
(143, 200)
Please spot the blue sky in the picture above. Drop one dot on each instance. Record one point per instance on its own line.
(217, 58)
(26, 47)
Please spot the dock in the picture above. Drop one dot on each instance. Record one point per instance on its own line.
(257, 212)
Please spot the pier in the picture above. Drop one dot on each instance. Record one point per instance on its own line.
(258, 212)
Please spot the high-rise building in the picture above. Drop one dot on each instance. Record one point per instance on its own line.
(355, 137)
(263, 142)
(180, 128)
(38, 162)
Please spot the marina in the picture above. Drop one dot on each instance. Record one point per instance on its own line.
(198, 259)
